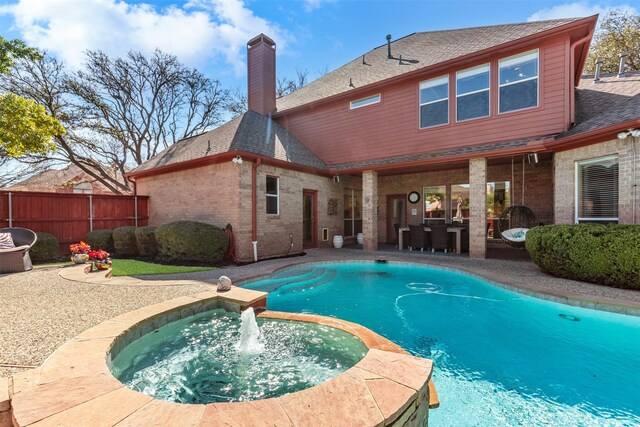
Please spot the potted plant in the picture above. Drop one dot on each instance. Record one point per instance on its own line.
(100, 260)
(80, 252)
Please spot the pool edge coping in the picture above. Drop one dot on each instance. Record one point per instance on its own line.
(76, 378)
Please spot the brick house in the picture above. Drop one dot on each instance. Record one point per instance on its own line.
(492, 116)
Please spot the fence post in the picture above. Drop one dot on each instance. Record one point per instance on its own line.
(135, 200)
(90, 212)
(10, 211)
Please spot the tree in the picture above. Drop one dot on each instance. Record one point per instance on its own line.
(118, 112)
(619, 32)
(12, 49)
(25, 127)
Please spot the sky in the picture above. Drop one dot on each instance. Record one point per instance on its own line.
(211, 35)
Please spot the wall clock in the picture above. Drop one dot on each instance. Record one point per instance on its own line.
(414, 197)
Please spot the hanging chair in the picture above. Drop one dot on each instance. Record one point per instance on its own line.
(514, 223)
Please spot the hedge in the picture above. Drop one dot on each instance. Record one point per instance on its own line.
(124, 242)
(191, 241)
(146, 241)
(45, 248)
(604, 254)
(100, 239)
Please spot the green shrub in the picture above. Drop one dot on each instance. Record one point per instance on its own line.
(100, 239)
(597, 253)
(124, 242)
(146, 241)
(45, 248)
(191, 241)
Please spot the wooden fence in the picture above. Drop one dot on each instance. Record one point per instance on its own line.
(70, 217)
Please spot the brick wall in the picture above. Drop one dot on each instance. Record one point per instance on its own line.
(208, 194)
(565, 162)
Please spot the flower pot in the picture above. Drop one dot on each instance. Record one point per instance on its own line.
(338, 241)
(79, 258)
(360, 238)
(104, 264)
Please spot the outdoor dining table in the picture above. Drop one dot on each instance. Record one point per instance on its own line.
(450, 229)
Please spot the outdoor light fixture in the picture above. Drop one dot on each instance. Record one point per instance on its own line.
(237, 160)
(631, 132)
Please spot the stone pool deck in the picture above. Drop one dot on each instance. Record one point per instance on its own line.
(75, 387)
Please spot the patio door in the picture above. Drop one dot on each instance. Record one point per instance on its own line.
(396, 214)
(309, 219)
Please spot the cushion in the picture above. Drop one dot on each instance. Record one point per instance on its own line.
(6, 241)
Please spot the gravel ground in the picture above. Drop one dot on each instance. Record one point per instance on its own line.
(39, 311)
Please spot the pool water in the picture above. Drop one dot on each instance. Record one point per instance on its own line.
(501, 358)
(197, 359)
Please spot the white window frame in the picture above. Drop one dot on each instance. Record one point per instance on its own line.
(437, 81)
(353, 219)
(369, 100)
(537, 77)
(579, 163)
(469, 72)
(277, 196)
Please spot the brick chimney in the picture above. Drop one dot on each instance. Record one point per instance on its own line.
(261, 64)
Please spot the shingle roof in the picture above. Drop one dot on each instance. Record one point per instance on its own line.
(251, 132)
(613, 100)
(426, 49)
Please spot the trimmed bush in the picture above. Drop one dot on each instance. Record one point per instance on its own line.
(604, 254)
(191, 241)
(146, 241)
(100, 239)
(124, 241)
(45, 248)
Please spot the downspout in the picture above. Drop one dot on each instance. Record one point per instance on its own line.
(572, 98)
(254, 208)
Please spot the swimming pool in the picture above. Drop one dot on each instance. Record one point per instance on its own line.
(501, 358)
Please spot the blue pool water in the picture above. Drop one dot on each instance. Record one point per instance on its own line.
(501, 358)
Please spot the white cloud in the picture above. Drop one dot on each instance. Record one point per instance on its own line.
(201, 30)
(576, 9)
(311, 5)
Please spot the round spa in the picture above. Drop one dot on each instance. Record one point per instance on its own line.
(220, 356)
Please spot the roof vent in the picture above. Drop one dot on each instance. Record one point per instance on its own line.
(623, 64)
(389, 56)
(596, 77)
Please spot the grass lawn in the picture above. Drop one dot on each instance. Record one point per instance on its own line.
(131, 267)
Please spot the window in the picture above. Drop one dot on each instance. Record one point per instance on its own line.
(434, 102)
(518, 82)
(352, 212)
(472, 90)
(434, 203)
(597, 190)
(273, 195)
(83, 188)
(365, 101)
(498, 200)
(459, 202)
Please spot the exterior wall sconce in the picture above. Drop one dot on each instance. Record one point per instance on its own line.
(237, 160)
(631, 132)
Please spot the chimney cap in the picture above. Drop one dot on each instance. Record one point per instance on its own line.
(260, 38)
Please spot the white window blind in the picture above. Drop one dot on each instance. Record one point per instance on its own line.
(597, 190)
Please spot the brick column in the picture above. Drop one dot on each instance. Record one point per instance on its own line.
(370, 210)
(478, 208)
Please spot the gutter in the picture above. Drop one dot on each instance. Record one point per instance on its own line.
(608, 133)
(575, 73)
(254, 207)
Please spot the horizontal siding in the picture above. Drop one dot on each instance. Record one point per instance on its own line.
(391, 128)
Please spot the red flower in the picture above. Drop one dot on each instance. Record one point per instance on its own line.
(80, 248)
(98, 255)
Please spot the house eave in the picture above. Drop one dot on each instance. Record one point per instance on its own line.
(452, 63)
(583, 139)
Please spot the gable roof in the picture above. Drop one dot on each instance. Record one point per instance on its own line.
(63, 180)
(418, 51)
(250, 132)
(613, 100)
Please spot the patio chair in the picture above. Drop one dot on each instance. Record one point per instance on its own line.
(514, 223)
(17, 259)
(418, 237)
(439, 237)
